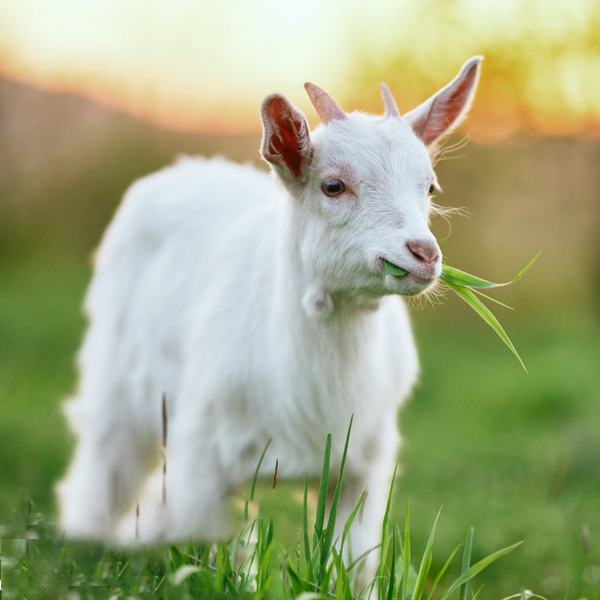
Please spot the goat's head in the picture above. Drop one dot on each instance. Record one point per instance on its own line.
(362, 186)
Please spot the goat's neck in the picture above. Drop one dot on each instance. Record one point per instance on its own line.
(303, 297)
(334, 345)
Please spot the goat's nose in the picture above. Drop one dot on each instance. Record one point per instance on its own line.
(424, 251)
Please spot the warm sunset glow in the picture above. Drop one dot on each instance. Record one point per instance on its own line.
(197, 65)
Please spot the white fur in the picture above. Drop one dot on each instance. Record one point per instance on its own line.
(262, 311)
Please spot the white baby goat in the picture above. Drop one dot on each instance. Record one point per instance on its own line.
(260, 306)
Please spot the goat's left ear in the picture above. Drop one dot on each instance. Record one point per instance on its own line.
(439, 115)
(286, 139)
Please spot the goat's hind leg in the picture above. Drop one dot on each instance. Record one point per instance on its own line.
(103, 480)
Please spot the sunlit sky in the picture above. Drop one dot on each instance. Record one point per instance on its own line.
(198, 65)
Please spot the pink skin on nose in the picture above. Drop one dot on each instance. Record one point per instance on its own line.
(427, 253)
(424, 251)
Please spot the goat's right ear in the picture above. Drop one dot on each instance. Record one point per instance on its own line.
(439, 115)
(286, 139)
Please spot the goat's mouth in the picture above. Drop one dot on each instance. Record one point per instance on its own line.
(392, 269)
(400, 274)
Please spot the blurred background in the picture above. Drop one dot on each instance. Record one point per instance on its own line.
(96, 93)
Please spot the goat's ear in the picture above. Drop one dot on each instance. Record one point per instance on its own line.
(286, 139)
(439, 115)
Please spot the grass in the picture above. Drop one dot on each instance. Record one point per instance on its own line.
(40, 329)
(468, 288)
(253, 565)
(515, 456)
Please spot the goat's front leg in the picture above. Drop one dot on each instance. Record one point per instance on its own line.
(365, 533)
(372, 470)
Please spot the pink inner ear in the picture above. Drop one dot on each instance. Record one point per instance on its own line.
(455, 102)
(446, 108)
(288, 140)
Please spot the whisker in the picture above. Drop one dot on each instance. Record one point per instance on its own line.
(445, 212)
(433, 296)
(444, 151)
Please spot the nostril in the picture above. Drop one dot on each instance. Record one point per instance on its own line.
(426, 252)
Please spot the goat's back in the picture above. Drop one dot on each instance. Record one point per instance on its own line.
(189, 249)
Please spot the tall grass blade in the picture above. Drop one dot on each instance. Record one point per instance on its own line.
(477, 568)
(342, 584)
(476, 594)
(406, 552)
(205, 560)
(390, 594)
(319, 559)
(265, 551)
(484, 312)
(441, 573)
(385, 536)
(176, 557)
(568, 590)
(328, 573)
(466, 562)
(255, 479)
(425, 565)
(322, 497)
(295, 581)
(328, 539)
(351, 517)
(305, 523)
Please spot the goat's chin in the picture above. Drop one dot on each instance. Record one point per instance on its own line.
(374, 289)
(415, 290)
(410, 285)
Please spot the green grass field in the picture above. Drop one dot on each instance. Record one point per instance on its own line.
(516, 456)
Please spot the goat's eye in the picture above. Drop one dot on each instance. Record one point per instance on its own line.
(431, 188)
(333, 187)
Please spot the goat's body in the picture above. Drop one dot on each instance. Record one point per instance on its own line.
(195, 297)
(261, 311)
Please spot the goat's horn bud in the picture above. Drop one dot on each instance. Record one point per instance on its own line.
(389, 104)
(327, 108)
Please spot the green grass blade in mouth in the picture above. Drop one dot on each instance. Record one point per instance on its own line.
(452, 275)
(484, 312)
(458, 277)
(468, 287)
(480, 293)
(392, 269)
(526, 268)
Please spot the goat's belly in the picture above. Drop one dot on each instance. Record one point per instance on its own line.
(241, 392)
(297, 420)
